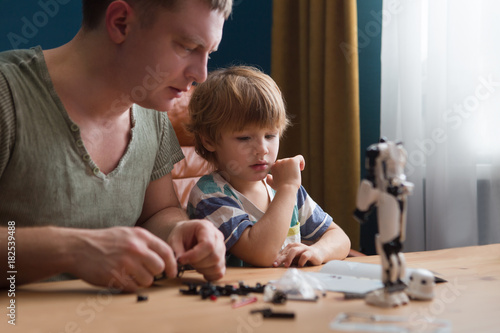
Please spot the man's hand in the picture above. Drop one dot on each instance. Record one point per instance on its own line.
(123, 258)
(200, 244)
(195, 242)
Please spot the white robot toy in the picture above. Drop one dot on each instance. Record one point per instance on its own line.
(385, 187)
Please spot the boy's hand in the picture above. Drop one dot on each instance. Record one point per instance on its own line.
(300, 254)
(286, 172)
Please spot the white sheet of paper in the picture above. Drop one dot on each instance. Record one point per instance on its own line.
(346, 284)
(351, 277)
(356, 269)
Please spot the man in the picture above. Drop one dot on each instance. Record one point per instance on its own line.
(80, 160)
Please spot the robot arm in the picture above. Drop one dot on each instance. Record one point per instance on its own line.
(368, 192)
(365, 200)
(407, 188)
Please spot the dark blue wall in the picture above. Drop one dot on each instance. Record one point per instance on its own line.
(247, 36)
(369, 44)
(48, 23)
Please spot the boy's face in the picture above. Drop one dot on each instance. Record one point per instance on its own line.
(162, 61)
(247, 155)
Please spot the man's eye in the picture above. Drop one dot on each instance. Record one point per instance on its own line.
(184, 49)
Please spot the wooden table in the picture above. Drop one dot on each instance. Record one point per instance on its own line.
(470, 300)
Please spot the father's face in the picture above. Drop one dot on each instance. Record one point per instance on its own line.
(168, 57)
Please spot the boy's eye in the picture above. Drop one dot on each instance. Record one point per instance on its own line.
(243, 138)
(271, 136)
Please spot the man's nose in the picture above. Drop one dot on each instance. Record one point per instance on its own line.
(197, 70)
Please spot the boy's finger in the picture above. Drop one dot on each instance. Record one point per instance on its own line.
(304, 258)
(269, 179)
(302, 162)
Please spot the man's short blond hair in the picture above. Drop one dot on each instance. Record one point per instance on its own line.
(94, 10)
(231, 99)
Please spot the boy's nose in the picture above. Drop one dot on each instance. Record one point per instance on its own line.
(261, 148)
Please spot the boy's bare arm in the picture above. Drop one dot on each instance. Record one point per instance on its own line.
(333, 244)
(260, 244)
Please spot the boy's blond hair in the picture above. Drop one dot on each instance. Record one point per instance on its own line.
(231, 99)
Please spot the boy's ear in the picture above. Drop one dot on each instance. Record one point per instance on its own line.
(118, 19)
(208, 144)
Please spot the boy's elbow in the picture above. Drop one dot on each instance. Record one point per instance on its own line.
(346, 246)
(343, 244)
(256, 251)
(266, 262)
(261, 259)
(257, 256)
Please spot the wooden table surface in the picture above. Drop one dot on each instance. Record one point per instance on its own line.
(470, 300)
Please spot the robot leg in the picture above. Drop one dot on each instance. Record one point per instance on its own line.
(385, 260)
(393, 269)
(402, 266)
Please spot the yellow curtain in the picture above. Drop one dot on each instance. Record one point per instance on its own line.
(314, 64)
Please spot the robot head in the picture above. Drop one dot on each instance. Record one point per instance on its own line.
(394, 160)
(386, 161)
(421, 285)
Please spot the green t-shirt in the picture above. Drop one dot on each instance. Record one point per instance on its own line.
(46, 174)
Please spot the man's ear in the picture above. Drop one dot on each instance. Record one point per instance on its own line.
(208, 144)
(119, 16)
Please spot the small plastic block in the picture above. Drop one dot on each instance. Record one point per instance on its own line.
(244, 301)
(268, 313)
(142, 298)
(279, 297)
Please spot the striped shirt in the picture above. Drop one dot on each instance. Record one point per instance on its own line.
(214, 199)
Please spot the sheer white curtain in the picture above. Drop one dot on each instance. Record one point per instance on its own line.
(441, 97)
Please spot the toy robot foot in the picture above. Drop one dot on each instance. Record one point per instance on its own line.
(395, 287)
(384, 299)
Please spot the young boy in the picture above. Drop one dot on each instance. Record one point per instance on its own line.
(238, 117)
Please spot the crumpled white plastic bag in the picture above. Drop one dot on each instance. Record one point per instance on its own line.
(296, 285)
